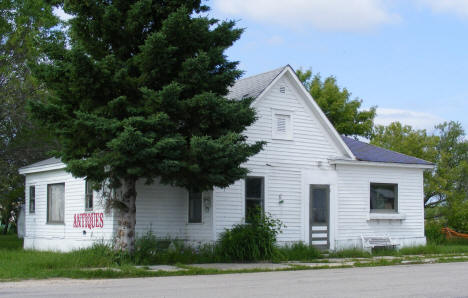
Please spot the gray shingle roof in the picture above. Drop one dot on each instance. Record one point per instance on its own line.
(253, 86)
(367, 152)
(46, 162)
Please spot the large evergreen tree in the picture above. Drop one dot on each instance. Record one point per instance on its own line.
(344, 113)
(139, 93)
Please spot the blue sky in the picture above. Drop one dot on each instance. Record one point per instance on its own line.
(408, 57)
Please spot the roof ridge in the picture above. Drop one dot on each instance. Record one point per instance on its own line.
(263, 73)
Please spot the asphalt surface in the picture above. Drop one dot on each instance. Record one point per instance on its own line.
(432, 280)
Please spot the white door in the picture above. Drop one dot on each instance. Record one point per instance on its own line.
(319, 216)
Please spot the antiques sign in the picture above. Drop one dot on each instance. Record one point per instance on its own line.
(88, 220)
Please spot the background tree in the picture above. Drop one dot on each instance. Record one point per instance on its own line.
(23, 26)
(139, 93)
(344, 113)
(414, 142)
(446, 187)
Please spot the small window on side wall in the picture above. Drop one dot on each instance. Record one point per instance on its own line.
(89, 200)
(254, 196)
(195, 207)
(383, 197)
(32, 199)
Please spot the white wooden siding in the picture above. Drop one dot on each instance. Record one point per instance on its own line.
(41, 235)
(353, 206)
(164, 210)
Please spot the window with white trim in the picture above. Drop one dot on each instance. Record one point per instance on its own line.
(384, 197)
(254, 196)
(89, 200)
(282, 125)
(32, 199)
(56, 203)
(195, 207)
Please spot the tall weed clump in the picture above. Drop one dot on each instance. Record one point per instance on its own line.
(252, 241)
(434, 233)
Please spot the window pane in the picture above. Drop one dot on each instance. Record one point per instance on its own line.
(383, 197)
(319, 205)
(89, 196)
(254, 187)
(195, 207)
(56, 204)
(254, 193)
(32, 199)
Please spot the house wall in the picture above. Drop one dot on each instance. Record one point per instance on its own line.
(61, 237)
(163, 210)
(353, 205)
(287, 165)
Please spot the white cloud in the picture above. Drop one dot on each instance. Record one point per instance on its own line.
(419, 120)
(458, 7)
(337, 15)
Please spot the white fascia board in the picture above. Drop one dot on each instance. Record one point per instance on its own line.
(379, 164)
(322, 117)
(30, 170)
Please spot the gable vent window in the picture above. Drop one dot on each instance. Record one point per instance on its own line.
(282, 126)
(281, 123)
(283, 89)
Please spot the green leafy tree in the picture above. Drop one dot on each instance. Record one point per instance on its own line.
(446, 187)
(23, 26)
(139, 93)
(344, 113)
(413, 142)
(452, 173)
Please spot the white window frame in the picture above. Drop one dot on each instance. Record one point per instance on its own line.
(397, 199)
(289, 128)
(188, 210)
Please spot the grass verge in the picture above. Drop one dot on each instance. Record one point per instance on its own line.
(101, 262)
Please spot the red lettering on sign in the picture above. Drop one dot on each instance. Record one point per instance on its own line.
(88, 220)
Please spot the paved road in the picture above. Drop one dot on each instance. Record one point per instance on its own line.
(435, 280)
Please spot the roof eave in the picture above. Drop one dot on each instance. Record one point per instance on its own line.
(381, 164)
(44, 168)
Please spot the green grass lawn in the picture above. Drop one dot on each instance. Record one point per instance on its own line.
(17, 263)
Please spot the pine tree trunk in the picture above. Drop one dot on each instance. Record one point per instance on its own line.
(126, 233)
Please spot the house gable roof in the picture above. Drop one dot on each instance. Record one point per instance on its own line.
(259, 85)
(366, 152)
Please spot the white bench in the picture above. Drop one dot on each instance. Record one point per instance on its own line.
(377, 241)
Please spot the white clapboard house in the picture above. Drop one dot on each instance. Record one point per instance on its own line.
(330, 191)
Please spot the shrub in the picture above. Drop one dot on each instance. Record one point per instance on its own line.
(252, 241)
(434, 233)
